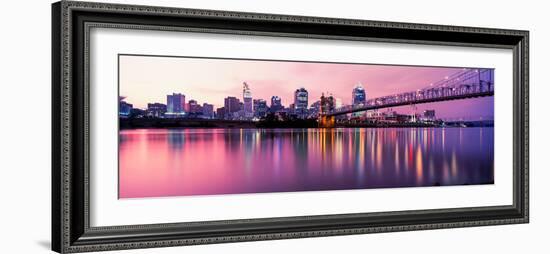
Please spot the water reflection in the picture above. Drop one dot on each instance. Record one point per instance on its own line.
(175, 162)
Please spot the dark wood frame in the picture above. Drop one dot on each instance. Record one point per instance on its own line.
(71, 22)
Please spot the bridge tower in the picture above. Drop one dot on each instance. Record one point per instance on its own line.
(327, 105)
(326, 121)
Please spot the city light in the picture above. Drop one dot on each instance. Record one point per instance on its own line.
(327, 111)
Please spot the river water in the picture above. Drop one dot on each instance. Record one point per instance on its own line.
(181, 162)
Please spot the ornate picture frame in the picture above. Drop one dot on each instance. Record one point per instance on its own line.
(71, 229)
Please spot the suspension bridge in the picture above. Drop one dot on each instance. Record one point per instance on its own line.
(465, 84)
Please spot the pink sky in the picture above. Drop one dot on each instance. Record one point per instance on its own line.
(146, 79)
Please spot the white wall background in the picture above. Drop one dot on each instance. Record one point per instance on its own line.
(25, 125)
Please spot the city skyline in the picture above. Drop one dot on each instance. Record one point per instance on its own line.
(149, 79)
(275, 126)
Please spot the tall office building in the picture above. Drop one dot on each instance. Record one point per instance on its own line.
(231, 105)
(175, 104)
(276, 104)
(300, 102)
(358, 95)
(208, 110)
(358, 98)
(260, 108)
(247, 101)
(220, 113)
(194, 107)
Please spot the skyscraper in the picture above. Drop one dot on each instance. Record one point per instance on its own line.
(220, 113)
(300, 102)
(194, 107)
(358, 95)
(358, 98)
(208, 110)
(231, 105)
(247, 101)
(175, 104)
(276, 104)
(260, 108)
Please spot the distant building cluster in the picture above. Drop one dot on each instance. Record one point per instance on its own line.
(390, 116)
(247, 108)
(234, 108)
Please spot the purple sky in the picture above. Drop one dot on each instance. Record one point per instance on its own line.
(145, 79)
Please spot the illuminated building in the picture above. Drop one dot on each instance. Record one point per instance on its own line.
(260, 108)
(231, 105)
(156, 110)
(358, 95)
(358, 99)
(124, 108)
(194, 107)
(276, 104)
(208, 110)
(300, 102)
(247, 101)
(175, 104)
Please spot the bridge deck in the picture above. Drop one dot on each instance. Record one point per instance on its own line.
(412, 102)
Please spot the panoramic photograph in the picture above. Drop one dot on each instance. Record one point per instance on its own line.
(214, 126)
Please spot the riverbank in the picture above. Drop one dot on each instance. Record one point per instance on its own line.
(146, 123)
